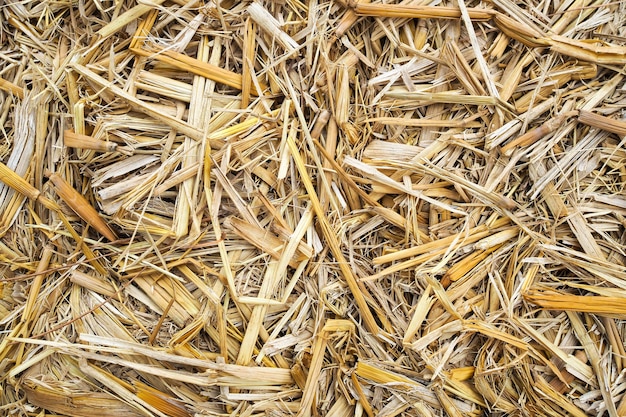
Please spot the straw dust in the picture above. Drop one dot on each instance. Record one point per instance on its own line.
(312, 208)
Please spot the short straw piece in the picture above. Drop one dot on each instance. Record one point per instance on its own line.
(535, 134)
(130, 15)
(11, 88)
(447, 97)
(76, 140)
(475, 234)
(58, 400)
(602, 122)
(582, 304)
(19, 184)
(80, 206)
(33, 293)
(92, 283)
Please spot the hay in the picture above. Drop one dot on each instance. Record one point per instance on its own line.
(312, 208)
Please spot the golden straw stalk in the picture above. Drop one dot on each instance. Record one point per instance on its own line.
(76, 140)
(80, 206)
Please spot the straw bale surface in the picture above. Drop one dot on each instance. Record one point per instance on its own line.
(312, 208)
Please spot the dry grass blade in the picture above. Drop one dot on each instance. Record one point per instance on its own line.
(357, 290)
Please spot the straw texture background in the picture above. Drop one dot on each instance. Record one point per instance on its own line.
(312, 208)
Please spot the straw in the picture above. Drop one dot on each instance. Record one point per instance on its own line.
(321, 208)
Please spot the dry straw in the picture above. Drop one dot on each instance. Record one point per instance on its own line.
(286, 208)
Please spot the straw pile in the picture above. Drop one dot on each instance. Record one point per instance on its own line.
(312, 208)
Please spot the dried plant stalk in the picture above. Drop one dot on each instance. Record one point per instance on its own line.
(602, 122)
(80, 205)
(12, 88)
(75, 140)
(19, 184)
(586, 304)
(425, 12)
(357, 290)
